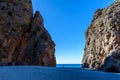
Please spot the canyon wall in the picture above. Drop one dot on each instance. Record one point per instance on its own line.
(23, 37)
(102, 49)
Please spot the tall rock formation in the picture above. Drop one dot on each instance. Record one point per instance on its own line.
(102, 50)
(23, 38)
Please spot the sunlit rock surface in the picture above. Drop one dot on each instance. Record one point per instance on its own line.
(102, 49)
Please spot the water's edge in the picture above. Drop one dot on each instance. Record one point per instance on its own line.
(69, 65)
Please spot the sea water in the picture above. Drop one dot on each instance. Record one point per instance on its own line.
(69, 65)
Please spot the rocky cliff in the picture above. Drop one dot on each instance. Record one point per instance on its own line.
(102, 49)
(23, 38)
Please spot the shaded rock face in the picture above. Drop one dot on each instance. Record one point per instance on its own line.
(102, 50)
(23, 38)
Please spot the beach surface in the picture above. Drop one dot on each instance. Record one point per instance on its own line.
(50, 73)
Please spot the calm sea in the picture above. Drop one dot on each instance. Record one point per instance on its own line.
(69, 65)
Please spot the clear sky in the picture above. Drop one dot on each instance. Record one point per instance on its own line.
(67, 21)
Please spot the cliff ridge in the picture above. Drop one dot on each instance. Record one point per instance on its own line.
(102, 49)
(23, 37)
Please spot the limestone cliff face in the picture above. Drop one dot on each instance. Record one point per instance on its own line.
(102, 50)
(23, 38)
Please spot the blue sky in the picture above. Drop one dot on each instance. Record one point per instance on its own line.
(67, 21)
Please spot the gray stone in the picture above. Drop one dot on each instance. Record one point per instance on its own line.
(102, 49)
